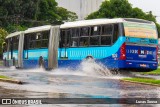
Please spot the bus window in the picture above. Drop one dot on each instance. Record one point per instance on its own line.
(31, 38)
(31, 45)
(15, 42)
(84, 41)
(62, 38)
(107, 30)
(115, 33)
(94, 37)
(75, 32)
(67, 38)
(74, 42)
(84, 31)
(38, 44)
(74, 37)
(95, 30)
(105, 40)
(10, 44)
(84, 36)
(94, 40)
(45, 39)
(26, 42)
(38, 40)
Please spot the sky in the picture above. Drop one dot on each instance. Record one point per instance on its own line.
(148, 5)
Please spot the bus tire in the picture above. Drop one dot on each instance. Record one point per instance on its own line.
(115, 71)
(41, 62)
(89, 57)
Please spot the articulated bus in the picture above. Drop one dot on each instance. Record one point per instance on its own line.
(122, 43)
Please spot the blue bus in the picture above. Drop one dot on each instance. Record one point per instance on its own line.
(122, 43)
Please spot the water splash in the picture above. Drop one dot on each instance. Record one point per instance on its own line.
(87, 68)
(36, 70)
(90, 67)
(12, 68)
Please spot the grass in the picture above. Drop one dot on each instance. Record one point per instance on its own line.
(4, 77)
(1, 62)
(143, 80)
(155, 72)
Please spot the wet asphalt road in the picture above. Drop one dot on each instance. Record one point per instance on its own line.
(66, 84)
(70, 84)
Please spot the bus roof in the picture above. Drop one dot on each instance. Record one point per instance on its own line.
(101, 22)
(30, 30)
(37, 29)
(13, 34)
(82, 23)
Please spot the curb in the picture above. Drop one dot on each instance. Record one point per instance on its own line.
(11, 81)
(152, 74)
(140, 83)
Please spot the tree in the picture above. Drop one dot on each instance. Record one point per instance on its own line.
(121, 9)
(20, 14)
(113, 8)
(3, 35)
(158, 29)
(65, 15)
(47, 10)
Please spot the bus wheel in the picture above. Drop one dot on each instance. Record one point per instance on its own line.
(41, 62)
(114, 71)
(89, 58)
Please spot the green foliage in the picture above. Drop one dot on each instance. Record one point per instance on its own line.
(143, 80)
(121, 9)
(155, 72)
(112, 9)
(20, 14)
(14, 28)
(46, 11)
(158, 29)
(1, 63)
(3, 35)
(66, 15)
(4, 77)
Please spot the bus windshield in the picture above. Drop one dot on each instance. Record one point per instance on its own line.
(140, 30)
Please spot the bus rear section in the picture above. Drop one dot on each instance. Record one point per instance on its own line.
(140, 49)
(139, 56)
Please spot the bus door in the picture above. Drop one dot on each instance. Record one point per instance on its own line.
(64, 44)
